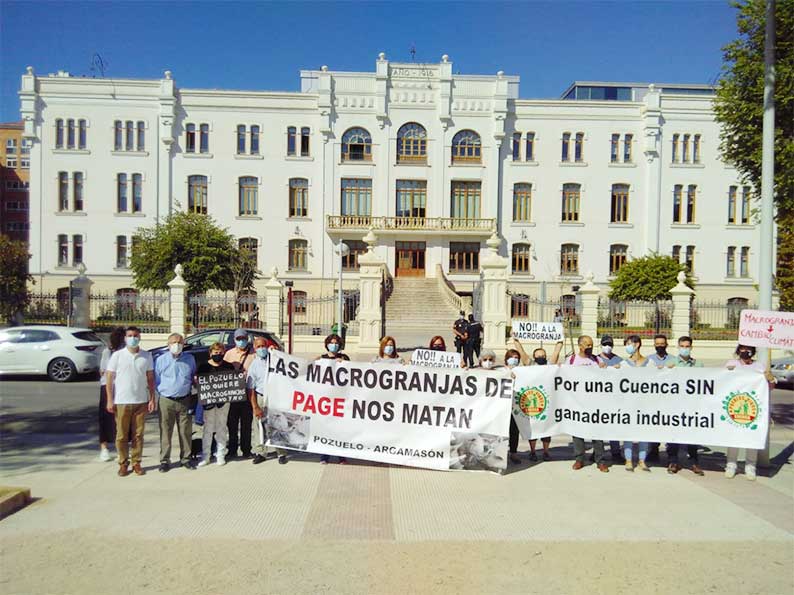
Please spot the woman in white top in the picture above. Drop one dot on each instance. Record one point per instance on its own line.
(107, 421)
(387, 353)
(745, 361)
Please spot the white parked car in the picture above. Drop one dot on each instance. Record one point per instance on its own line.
(60, 352)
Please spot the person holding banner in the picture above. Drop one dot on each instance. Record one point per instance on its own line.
(215, 416)
(745, 361)
(611, 360)
(513, 360)
(684, 359)
(241, 416)
(333, 350)
(585, 357)
(258, 374)
(437, 343)
(633, 344)
(387, 352)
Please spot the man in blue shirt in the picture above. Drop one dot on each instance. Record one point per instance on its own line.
(174, 376)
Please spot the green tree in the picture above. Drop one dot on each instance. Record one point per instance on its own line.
(208, 254)
(14, 277)
(647, 279)
(739, 109)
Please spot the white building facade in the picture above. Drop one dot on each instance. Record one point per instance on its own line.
(433, 162)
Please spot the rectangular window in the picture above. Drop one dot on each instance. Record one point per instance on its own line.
(298, 250)
(627, 140)
(745, 212)
(298, 197)
(730, 269)
(137, 193)
(248, 196)
(614, 148)
(357, 198)
(620, 203)
(82, 133)
(690, 260)
(732, 204)
(571, 198)
(522, 202)
(129, 135)
(141, 145)
(190, 138)
(11, 146)
(197, 194)
(677, 202)
(618, 253)
(291, 140)
(569, 259)
(696, 149)
(579, 148)
(465, 200)
(70, 132)
(121, 193)
(676, 253)
(516, 146)
(304, 142)
(77, 250)
(59, 134)
(241, 140)
(691, 192)
(63, 250)
(204, 139)
(121, 252)
(529, 154)
(411, 198)
(685, 149)
(77, 191)
(63, 191)
(254, 140)
(522, 255)
(117, 135)
(24, 159)
(350, 261)
(744, 264)
(566, 146)
(464, 257)
(675, 148)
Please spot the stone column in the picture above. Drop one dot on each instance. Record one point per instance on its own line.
(682, 303)
(273, 303)
(589, 297)
(176, 292)
(80, 291)
(495, 314)
(370, 276)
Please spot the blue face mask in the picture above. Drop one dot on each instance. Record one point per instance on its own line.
(630, 349)
(512, 362)
(388, 350)
(261, 352)
(333, 347)
(684, 351)
(241, 343)
(132, 341)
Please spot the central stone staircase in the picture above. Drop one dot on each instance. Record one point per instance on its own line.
(418, 310)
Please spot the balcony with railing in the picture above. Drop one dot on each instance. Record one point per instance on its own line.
(339, 224)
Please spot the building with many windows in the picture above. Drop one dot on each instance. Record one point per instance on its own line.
(14, 181)
(433, 162)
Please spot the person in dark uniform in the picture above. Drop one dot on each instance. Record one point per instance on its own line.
(475, 335)
(460, 329)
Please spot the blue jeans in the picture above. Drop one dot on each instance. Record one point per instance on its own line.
(627, 447)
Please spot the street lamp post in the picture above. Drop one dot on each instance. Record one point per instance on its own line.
(343, 250)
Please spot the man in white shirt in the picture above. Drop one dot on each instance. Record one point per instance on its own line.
(130, 390)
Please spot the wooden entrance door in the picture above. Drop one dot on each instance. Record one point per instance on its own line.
(410, 259)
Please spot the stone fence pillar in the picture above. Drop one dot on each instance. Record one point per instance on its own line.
(273, 289)
(370, 277)
(589, 297)
(495, 313)
(682, 303)
(177, 287)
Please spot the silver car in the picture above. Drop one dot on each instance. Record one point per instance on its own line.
(783, 370)
(60, 352)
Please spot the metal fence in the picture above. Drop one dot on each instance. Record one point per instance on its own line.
(225, 310)
(646, 319)
(47, 308)
(524, 307)
(718, 321)
(317, 315)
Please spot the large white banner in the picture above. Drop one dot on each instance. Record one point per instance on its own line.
(407, 415)
(685, 405)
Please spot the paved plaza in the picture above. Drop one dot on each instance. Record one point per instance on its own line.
(369, 528)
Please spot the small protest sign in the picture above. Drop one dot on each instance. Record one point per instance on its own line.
(221, 387)
(537, 331)
(435, 359)
(765, 328)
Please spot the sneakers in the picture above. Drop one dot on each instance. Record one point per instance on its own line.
(164, 467)
(642, 466)
(221, 461)
(283, 460)
(104, 455)
(203, 463)
(749, 472)
(629, 466)
(730, 470)
(258, 459)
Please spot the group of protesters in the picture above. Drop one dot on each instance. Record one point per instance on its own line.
(132, 381)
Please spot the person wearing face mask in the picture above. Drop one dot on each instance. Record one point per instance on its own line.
(611, 360)
(460, 330)
(513, 360)
(257, 393)
(387, 352)
(241, 415)
(633, 344)
(174, 376)
(215, 416)
(333, 350)
(437, 344)
(585, 357)
(488, 359)
(130, 395)
(744, 360)
(660, 359)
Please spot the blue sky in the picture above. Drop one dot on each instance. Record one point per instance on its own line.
(258, 45)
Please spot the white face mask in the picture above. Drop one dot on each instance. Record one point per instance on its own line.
(606, 349)
(175, 348)
(486, 363)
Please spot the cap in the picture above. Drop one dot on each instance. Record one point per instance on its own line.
(240, 332)
(607, 340)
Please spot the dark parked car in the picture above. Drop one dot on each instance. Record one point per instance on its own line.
(198, 345)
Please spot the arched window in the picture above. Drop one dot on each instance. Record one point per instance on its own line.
(356, 145)
(59, 133)
(522, 202)
(247, 308)
(735, 307)
(299, 302)
(569, 259)
(248, 191)
(250, 247)
(240, 139)
(305, 134)
(298, 255)
(466, 147)
(522, 254)
(519, 305)
(298, 197)
(620, 203)
(291, 140)
(197, 194)
(571, 199)
(618, 253)
(412, 143)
